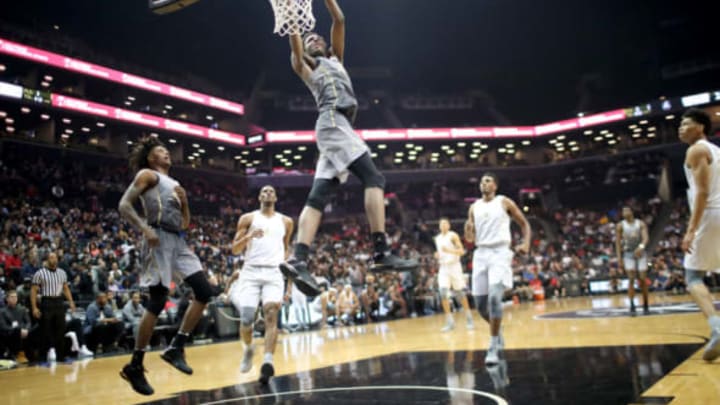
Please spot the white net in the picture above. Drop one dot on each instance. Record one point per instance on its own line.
(293, 16)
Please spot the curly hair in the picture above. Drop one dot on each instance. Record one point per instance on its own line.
(139, 155)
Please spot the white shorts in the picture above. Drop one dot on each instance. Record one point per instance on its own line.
(255, 284)
(491, 266)
(451, 276)
(705, 254)
(633, 263)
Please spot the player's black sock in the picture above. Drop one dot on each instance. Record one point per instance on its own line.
(179, 340)
(379, 242)
(301, 251)
(138, 357)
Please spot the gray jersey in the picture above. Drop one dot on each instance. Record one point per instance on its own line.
(162, 204)
(331, 86)
(632, 235)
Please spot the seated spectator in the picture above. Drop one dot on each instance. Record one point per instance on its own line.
(132, 313)
(397, 307)
(370, 299)
(101, 326)
(325, 304)
(14, 327)
(348, 305)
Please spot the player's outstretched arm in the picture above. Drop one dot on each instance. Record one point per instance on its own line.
(297, 58)
(337, 31)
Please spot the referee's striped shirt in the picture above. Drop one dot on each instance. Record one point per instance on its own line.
(50, 282)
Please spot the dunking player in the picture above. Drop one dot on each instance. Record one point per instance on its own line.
(341, 150)
(702, 238)
(450, 275)
(264, 235)
(488, 225)
(631, 237)
(164, 251)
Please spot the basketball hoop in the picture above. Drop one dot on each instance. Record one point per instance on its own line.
(293, 16)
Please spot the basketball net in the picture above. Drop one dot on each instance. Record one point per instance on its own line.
(293, 16)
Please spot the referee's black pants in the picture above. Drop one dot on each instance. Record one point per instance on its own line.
(52, 327)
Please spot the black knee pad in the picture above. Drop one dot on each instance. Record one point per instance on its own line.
(158, 297)
(320, 193)
(200, 286)
(365, 170)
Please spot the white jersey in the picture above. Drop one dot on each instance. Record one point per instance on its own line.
(269, 250)
(445, 241)
(713, 200)
(492, 223)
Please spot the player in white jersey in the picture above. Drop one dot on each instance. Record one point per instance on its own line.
(451, 279)
(701, 243)
(631, 237)
(488, 225)
(264, 236)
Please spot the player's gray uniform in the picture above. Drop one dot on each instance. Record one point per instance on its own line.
(631, 238)
(163, 212)
(337, 142)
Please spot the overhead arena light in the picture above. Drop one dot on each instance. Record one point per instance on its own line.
(169, 6)
(101, 124)
(172, 140)
(302, 148)
(221, 148)
(24, 110)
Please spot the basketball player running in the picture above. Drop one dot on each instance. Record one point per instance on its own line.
(341, 151)
(450, 275)
(488, 225)
(264, 235)
(163, 252)
(702, 238)
(631, 237)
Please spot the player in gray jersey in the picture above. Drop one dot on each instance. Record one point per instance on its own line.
(164, 251)
(341, 151)
(631, 237)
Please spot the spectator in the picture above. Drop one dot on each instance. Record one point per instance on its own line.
(101, 325)
(132, 313)
(14, 326)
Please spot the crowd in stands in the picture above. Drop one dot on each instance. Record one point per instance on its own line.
(63, 208)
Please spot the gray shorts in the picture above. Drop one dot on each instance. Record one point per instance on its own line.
(172, 255)
(633, 263)
(338, 144)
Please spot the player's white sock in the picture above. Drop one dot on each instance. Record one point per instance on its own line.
(268, 358)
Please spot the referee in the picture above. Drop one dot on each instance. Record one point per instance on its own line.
(52, 283)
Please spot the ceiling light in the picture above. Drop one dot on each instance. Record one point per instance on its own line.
(302, 148)
(101, 124)
(461, 144)
(209, 117)
(66, 120)
(382, 146)
(24, 110)
(172, 140)
(44, 116)
(85, 129)
(669, 117)
(9, 121)
(526, 143)
(258, 149)
(409, 145)
(221, 148)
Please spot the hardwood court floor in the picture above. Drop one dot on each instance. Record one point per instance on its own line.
(579, 348)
